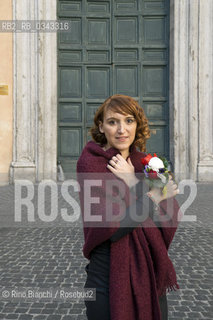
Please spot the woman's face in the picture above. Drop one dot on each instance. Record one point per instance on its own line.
(119, 130)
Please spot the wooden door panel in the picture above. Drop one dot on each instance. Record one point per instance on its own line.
(119, 46)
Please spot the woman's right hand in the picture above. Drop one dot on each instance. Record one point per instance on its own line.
(172, 190)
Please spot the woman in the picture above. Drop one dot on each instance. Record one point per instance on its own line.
(129, 265)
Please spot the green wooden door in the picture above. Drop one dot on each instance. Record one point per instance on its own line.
(112, 47)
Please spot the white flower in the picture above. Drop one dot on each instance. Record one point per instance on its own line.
(155, 164)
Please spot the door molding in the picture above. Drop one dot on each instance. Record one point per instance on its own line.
(34, 95)
(191, 82)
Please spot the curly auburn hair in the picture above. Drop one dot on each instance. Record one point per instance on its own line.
(124, 105)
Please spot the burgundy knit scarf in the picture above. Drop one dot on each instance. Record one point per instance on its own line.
(140, 268)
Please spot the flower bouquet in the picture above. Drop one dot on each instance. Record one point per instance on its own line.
(156, 171)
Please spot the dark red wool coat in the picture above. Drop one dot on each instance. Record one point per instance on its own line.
(140, 268)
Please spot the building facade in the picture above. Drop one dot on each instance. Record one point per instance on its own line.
(30, 115)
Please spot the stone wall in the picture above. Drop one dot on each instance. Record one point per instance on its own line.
(6, 102)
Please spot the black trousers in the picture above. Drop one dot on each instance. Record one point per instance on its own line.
(100, 308)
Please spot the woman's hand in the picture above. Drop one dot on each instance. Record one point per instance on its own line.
(123, 169)
(157, 196)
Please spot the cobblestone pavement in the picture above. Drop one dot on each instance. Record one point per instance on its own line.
(48, 256)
